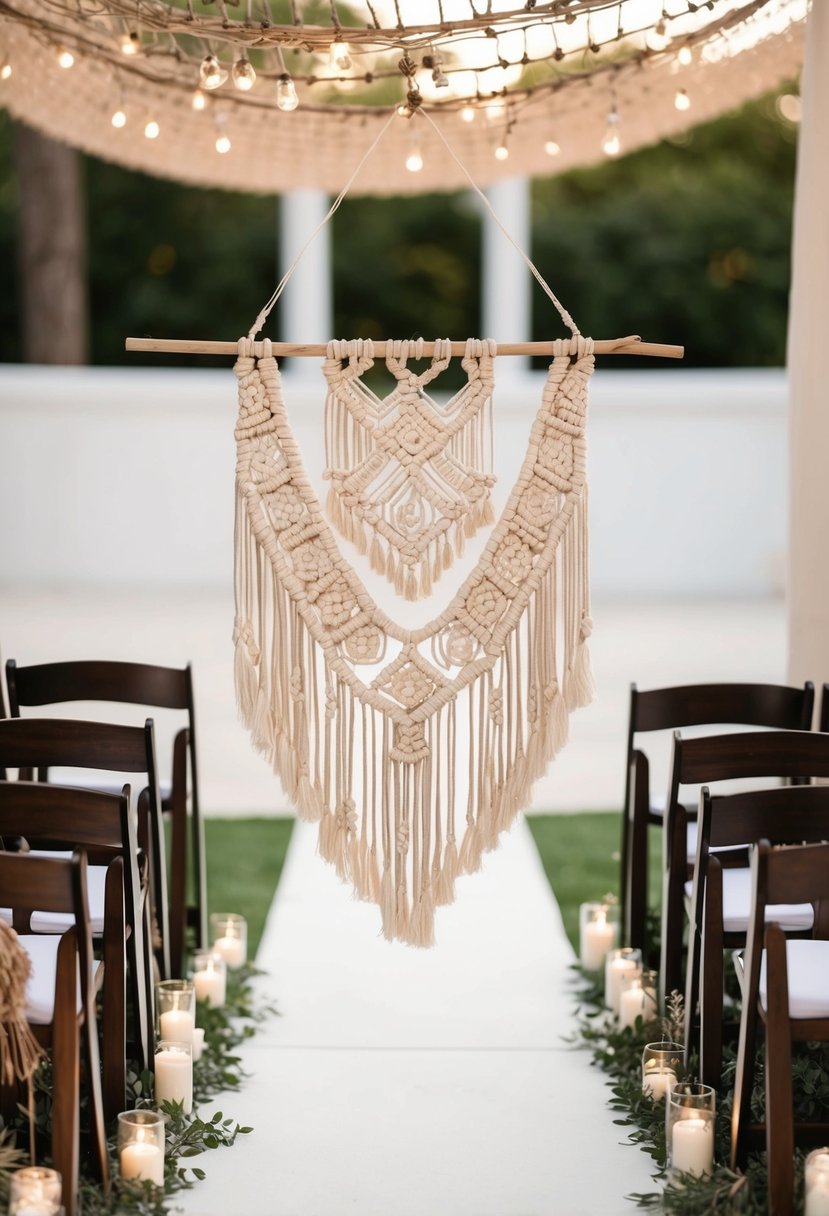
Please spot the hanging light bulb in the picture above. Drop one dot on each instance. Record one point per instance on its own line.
(211, 73)
(682, 101)
(65, 58)
(496, 111)
(152, 130)
(685, 56)
(286, 94)
(502, 151)
(5, 71)
(339, 56)
(611, 143)
(414, 161)
(119, 119)
(130, 43)
(244, 77)
(468, 114)
(198, 101)
(552, 148)
(658, 37)
(223, 144)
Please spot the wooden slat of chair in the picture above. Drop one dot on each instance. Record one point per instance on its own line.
(756, 755)
(148, 685)
(27, 884)
(661, 709)
(40, 743)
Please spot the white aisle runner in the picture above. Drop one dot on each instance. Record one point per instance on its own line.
(401, 1082)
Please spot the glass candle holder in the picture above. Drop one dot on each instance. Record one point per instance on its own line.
(173, 1066)
(689, 1128)
(816, 1183)
(35, 1191)
(663, 1065)
(597, 934)
(175, 1002)
(210, 978)
(637, 997)
(619, 963)
(141, 1145)
(230, 938)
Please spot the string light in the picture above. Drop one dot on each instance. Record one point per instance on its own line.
(244, 76)
(552, 148)
(286, 94)
(611, 142)
(685, 56)
(198, 101)
(414, 160)
(65, 58)
(502, 151)
(468, 114)
(496, 111)
(211, 73)
(339, 56)
(223, 144)
(129, 43)
(119, 119)
(682, 101)
(658, 37)
(5, 71)
(152, 130)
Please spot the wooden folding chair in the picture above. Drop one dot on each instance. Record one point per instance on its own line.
(159, 687)
(721, 895)
(36, 744)
(756, 755)
(61, 1002)
(52, 817)
(785, 986)
(660, 709)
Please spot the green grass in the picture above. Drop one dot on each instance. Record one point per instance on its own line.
(580, 855)
(244, 862)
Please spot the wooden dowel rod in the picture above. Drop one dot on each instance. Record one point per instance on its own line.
(608, 346)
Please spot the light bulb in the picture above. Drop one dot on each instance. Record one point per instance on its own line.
(223, 144)
(611, 143)
(129, 43)
(152, 129)
(468, 114)
(496, 111)
(198, 101)
(5, 71)
(502, 152)
(211, 73)
(552, 148)
(658, 37)
(339, 57)
(682, 101)
(244, 77)
(286, 95)
(414, 161)
(685, 56)
(65, 58)
(119, 119)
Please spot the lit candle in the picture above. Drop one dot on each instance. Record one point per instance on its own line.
(657, 1083)
(142, 1160)
(232, 950)
(692, 1146)
(632, 1002)
(617, 969)
(597, 937)
(34, 1191)
(817, 1183)
(177, 1026)
(198, 1043)
(211, 986)
(174, 1075)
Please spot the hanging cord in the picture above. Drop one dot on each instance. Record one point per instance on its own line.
(560, 309)
(283, 282)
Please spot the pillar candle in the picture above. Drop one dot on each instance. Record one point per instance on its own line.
(597, 937)
(174, 1078)
(614, 971)
(692, 1146)
(176, 1026)
(232, 950)
(657, 1083)
(198, 1043)
(210, 986)
(142, 1160)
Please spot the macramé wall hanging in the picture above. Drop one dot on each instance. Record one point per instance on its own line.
(412, 748)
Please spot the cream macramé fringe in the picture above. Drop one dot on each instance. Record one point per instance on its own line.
(377, 762)
(20, 1052)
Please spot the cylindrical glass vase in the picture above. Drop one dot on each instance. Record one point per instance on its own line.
(141, 1145)
(229, 932)
(662, 1068)
(689, 1128)
(618, 964)
(173, 1066)
(637, 997)
(175, 1002)
(597, 934)
(816, 1183)
(210, 978)
(35, 1191)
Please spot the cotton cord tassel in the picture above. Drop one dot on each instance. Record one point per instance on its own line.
(332, 506)
(262, 727)
(558, 723)
(581, 685)
(472, 847)
(411, 586)
(373, 882)
(378, 562)
(19, 1050)
(425, 578)
(245, 658)
(445, 889)
(388, 906)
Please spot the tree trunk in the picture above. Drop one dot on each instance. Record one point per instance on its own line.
(52, 248)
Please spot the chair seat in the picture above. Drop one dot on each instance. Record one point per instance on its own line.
(99, 780)
(807, 963)
(736, 896)
(40, 990)
(59, 922)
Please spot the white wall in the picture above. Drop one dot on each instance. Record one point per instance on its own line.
(126, 477)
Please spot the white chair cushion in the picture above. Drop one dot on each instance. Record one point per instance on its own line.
(40, 990)
(59, 922)
(807, 963)
(103, 781)
(736, 898)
